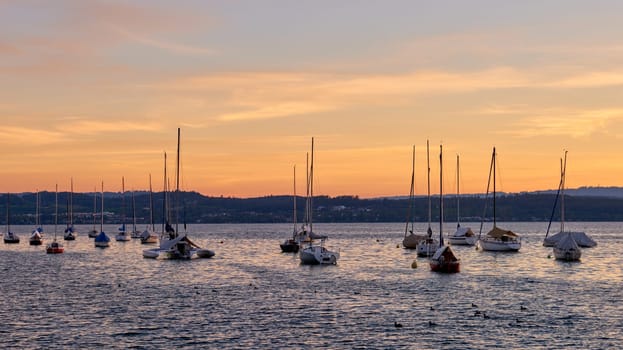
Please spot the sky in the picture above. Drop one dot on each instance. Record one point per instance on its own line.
(95, 91)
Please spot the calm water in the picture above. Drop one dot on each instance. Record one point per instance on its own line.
(251, 295)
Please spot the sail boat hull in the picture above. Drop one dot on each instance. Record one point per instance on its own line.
(318, 255)
(411, 241)
(498, 245)
(567, 254)
(11, 238)
(289, 246)
(55, 248)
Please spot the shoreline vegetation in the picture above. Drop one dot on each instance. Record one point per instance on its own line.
(583, 205)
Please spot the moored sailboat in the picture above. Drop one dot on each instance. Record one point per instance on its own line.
(93, 232)
(149, 236)
(70, 231)
(9, 236)
(315, 254)
(497, 239)
(55, 247)
(428, 245)
(122, 235)
(444, 259)
(176, 245)
(411, 240)
(292, 245)
(36, 237)
(102, 240)
(462, 235)
(581, 238)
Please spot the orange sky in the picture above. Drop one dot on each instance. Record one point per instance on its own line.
(95, 91)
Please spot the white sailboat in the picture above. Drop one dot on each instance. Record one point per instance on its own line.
(444, 259)
(55, 247)
(313, 253)
(497, 239)
(462, 235)
(93, 232)
(565, 248)
(149, 236)
(178, 245)
(9, 236)
(428, 245)
(580, 238)
(102, 240)
(70, 231)
(122, 235)
(411, 240)
(36, 237)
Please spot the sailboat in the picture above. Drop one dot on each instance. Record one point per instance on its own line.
(580, 238)
(178, 245)
(93, 232)
(428, 245)
(411, 240)
(36, 237)
(291, 245)
(122, 235)
(314, 254)
(70, 232)
(55, 247)
(497, 239)
(149, 236)
(462, 235)
(9, 237)
(444, 259)
(135, 232)
(565, 247)
(102, 240)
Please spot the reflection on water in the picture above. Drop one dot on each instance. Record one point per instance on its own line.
(251, 295)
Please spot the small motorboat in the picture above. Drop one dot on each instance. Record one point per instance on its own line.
(54, 248)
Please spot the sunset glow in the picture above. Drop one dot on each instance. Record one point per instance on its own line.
(96, 90)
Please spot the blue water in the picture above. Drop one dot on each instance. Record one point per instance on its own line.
(251, 295)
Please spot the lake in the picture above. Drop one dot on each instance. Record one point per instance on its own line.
(250, 295)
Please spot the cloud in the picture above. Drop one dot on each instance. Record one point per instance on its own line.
(161, 44)
(577, 124)
(29, 136)
(90, 127)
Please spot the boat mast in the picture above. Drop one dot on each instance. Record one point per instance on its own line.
(493, 163)
(102, 216)
(410, 216)
(440, 195)
(563, 176)
(307, 189)
(165, 213)
(56, 211)
(133, 213)
(151, 206)
(94, 205)
(123, 203)
(8, 214)
(311, 188)
(177, 184)
(294, 201)
(458, 193)
(37, 211)
(429, 231)
(71, 204)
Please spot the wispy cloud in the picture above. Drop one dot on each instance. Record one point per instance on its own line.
(29, 136)
(172, 47)
(90, 127)
(575, 124)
